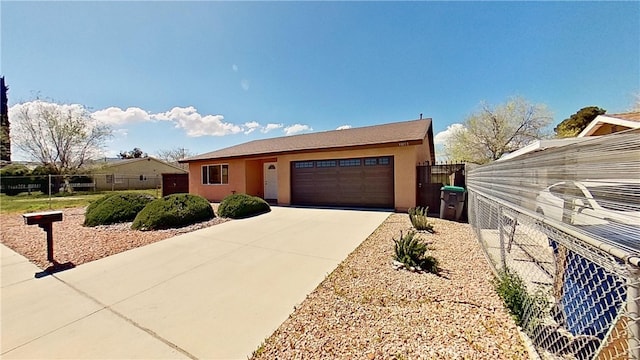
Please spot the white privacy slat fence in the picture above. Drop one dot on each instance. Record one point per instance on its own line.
(566, 221)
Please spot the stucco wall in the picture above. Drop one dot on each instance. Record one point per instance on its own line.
(253, 178)
(246, 176)
(141, 174)
(217, 192)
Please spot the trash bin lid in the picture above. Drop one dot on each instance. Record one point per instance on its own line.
(452, 188)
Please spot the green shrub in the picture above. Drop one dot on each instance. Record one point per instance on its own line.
(173, 211)
(239, 206)
(115, 208)
(410, 251)
(527, 309)
(419, 219)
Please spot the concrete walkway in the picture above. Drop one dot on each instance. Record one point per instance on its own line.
(216, 293)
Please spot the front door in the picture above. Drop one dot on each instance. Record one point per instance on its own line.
(270, 181)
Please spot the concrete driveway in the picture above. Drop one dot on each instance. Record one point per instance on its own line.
(216, 293)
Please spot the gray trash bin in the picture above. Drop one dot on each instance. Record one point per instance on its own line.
(451, 202)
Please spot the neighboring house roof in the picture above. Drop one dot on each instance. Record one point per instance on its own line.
(121, 162)
(629, 120)
(409, 132)
(539, 145)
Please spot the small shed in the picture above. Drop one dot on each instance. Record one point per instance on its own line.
(175, 184)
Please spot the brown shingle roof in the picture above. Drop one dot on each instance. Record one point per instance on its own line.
(631, 116)
(406, 131)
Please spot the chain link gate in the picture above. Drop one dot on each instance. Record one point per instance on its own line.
(580, 277)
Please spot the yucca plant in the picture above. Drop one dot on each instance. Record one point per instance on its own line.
(410, 251)
(419, 218)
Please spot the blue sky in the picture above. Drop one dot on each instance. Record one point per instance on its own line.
(207, 75)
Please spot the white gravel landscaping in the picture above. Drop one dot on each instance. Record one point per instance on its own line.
(369, 309)
(77, 244)
(366, 309)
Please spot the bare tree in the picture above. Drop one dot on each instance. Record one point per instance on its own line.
(173, 155)
(493, 131)
(62, 137)
(635, 106)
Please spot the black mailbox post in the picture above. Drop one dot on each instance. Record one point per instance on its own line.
(45, 220)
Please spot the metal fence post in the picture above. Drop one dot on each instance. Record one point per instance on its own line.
(503, 255)
(49, 191)
(633, 311)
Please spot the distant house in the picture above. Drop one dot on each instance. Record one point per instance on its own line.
(129, 174)
(601, 125)
(372, 166)
(611, 123)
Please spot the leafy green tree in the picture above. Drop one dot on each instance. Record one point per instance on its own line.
(493, 131)
(136, 153)
(572, 126)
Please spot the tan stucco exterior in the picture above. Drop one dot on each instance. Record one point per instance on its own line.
(246, 174)
(143, 173)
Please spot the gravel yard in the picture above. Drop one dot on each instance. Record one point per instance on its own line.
(77, 244)
(367, 310)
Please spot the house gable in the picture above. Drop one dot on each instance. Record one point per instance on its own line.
(611, 123)
(398, 145)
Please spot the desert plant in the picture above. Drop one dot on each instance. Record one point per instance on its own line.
(527, 309)
(410, 251)
(115, 208)
(419, 219)
(172, 211)
(239, 206)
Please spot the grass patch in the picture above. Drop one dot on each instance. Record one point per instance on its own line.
(37, 201)
(527, 309)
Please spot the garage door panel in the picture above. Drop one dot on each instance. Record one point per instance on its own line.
(353, 184)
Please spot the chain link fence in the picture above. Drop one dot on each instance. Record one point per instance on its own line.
(54, 184)
(563, 225)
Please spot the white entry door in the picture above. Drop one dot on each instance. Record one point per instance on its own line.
(270, 181)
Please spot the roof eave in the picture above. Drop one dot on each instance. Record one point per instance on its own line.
(412, 142)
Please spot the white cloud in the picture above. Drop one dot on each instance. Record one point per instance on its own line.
(296, 128)
(270, 127)
(121, 132)
(117, 116)
(234, 67)
(196, 124)
(244, 84)
(343, 127)
(187, 118)
(442, 137)
(250, 127)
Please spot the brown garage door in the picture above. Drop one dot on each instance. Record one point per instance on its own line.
(359, 182)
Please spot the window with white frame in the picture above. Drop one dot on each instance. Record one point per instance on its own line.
(215, 174)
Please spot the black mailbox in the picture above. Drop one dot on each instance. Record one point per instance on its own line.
(42, 217)
(45, 220)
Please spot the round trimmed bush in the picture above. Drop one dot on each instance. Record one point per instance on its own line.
(239, 206)
(173, 211)
(115, 208)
